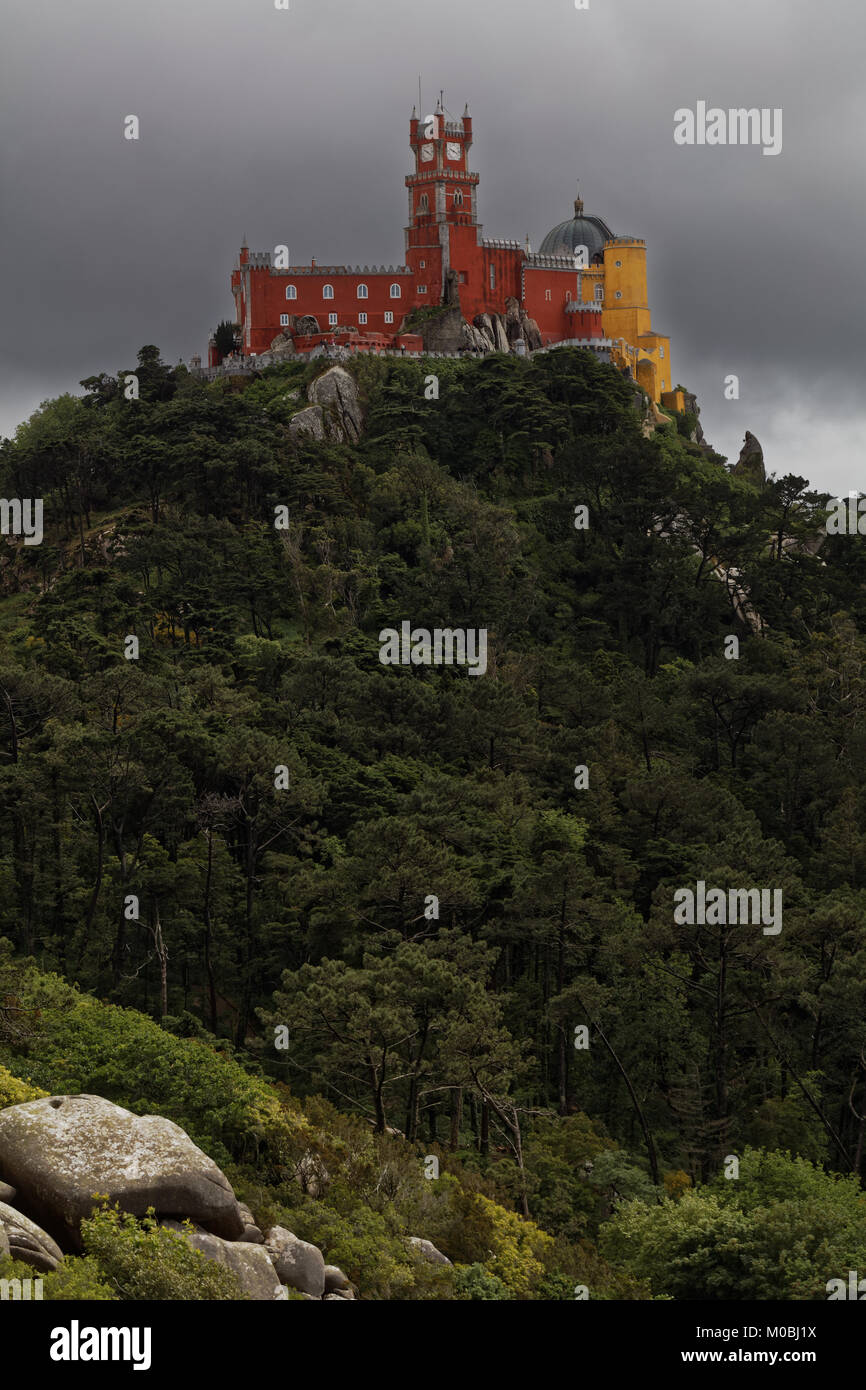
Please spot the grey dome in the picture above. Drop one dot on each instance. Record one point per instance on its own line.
(579, 230)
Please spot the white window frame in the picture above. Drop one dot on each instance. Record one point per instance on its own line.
(362, 318)
(362, 292)
(389, 317)
(327, 291)
(333, 320)
(396, 291)
(599, 293)
(291, 291)
(421, 289)
(284, 320)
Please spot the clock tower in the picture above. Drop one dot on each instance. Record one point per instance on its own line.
(442, 199)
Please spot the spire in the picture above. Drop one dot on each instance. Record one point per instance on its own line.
(466, 109)
(414, 115)
(244, 242)
(578, 202)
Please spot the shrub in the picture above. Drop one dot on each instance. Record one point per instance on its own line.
(143, 1260)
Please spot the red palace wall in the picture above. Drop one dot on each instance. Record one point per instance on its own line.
(489, 272)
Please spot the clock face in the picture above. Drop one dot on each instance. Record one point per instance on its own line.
(426, 152)
(453, 150)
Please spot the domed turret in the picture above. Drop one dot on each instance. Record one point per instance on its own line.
(579, 230)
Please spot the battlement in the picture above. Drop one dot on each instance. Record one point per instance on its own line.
(434, 173)
(584, 306)
(625, 241)
(497, 244)
(297, 271)
(536, 261)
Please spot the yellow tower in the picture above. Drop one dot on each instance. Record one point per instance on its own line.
(626, 318)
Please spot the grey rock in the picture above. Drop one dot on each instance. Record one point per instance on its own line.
(335, 1279)
(298, 1264)
(311, 1174)
(251, 1264)
(531, 332)
(335, 391)
(750, 464)
(4, 1242)
(499, 334)
(7, 1192)
(485, 327)
(306, 325)
(252, 1235)
(427, 1250)
(310, 421)
(337, 1283)
(337, 1298)
(26, 1241)
(59, 1152)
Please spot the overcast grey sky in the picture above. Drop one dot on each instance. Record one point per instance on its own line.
(292, 126)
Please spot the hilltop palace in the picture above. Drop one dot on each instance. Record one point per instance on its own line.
(585, 287)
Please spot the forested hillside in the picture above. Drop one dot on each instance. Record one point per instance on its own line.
(380, 901)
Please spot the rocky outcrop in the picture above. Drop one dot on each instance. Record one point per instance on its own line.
(25, 1241)
(307, 324)
(310, 421)
(336, 1284)
(283, 345)
(298, 1264)
(750, 464)
(251, 1264)
(337, 395)
(60, 1151)
(427, 1250)
(692, 408)
(500, 337)
(252, 1235)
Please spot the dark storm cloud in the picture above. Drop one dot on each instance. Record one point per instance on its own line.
(293, 127)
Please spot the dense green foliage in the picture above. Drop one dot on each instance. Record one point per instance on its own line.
(304, 909)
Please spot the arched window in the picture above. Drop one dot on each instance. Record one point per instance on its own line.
(363, 292)
(327, 291)
(396, 292)
(458, 199)
(423, 203)
(291, 291)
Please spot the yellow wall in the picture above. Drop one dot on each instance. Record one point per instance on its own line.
(629, 318)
